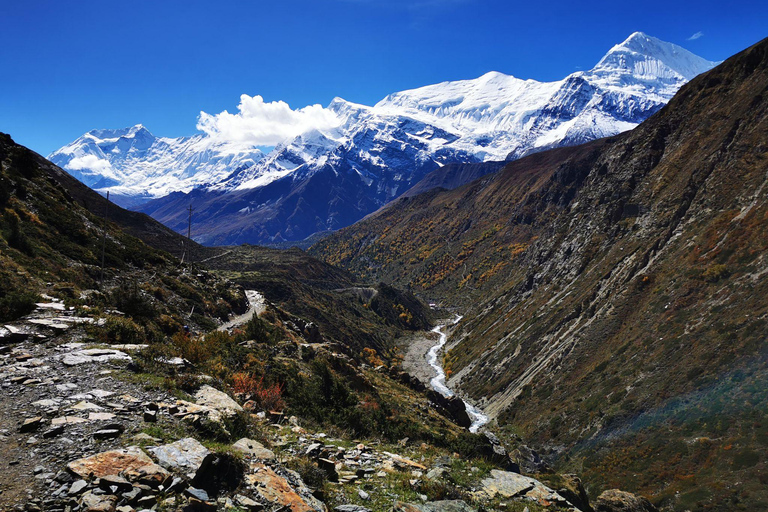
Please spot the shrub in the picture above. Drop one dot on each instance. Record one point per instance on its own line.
(130, 299)
(16, 304)
(309, 472)
(256, 329)
(268, 397)
(14, 233)
(715, 273)
(123, 330)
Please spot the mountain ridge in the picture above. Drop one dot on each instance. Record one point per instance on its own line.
(377, 153)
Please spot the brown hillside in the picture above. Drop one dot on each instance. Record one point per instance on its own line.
(615, 293)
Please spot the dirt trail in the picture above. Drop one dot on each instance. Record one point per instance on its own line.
(257, 306)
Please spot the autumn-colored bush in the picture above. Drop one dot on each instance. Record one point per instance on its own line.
(371, 357)
(268, 397)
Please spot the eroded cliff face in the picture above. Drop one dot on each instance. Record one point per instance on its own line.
(615, 292)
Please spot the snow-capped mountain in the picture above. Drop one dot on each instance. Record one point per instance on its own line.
(135, 166)
(375, 153)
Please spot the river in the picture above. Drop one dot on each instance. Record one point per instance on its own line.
(438, 382)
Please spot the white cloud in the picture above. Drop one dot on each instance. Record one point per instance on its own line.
(259, 123)
(695, 36)
(91, 163)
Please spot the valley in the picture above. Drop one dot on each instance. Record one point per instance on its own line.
(487, 294)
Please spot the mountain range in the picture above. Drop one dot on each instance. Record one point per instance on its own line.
(325, 179)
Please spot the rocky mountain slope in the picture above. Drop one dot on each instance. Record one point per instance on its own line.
(53, 240)
(326, 179)
(613, 293)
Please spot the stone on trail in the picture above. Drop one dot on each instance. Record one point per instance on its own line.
(122, 485)
(53, 431)
(200, 494)
(131, 462)
(48, 402)
(109, 432)
(77, 487)
(86, 406)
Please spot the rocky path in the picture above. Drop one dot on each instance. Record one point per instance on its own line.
(256, 306)
(78, 435)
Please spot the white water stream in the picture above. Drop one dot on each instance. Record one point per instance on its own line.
(438, 382)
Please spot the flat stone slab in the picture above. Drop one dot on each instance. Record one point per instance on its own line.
(253, 449)
(68, 420)
(403, 460)
(48, 402)
(100, 393)
(129, 346)
(54, 306)
(507, 484)
(131, 462)
(100, 416)
(86, 406)
(94, 355)
(185, 455)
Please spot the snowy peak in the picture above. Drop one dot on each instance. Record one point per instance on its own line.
(136, 131)
(387, 147)
(137, 166)
(645, 56)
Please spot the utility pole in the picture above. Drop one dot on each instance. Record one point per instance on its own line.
(104, 241)
(189, 235)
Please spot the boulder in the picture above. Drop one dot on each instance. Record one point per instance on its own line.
(506, 484)
(215, 399)
(329, 468)
(451, 407)
(573, 490)
(528, 460)
(614, 500)
(219, 472)
(253, 449)
(185, 455)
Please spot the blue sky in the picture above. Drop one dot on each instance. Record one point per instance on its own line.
(68, 67)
